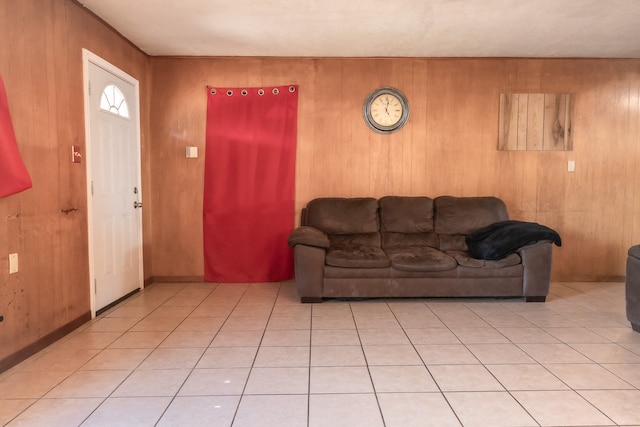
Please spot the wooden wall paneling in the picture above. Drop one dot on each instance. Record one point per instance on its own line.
(605, 154)
(552, 180)
(442, 104)
(530, 75)
(633, 237)
(145, 163)
(177, 187)
(329, 145)
(527, 196)
(72, 212)
(355, 163)
(42, 69)
(418, 184)
(306, 133)
(38, 232)
(627, 131)
(378, 172)
(400, 148)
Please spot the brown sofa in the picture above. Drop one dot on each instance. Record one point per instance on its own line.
(632, 287)
(411, 247)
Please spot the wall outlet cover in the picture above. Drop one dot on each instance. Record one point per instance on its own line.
(13, 263)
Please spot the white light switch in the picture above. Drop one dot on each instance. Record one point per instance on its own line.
(192, 152)
(571, 165)
(13, 263)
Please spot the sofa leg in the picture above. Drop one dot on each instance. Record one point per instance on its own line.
(535, 298)
(635, 326)
(310, 299)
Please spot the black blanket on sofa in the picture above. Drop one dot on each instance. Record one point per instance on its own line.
(503, 238)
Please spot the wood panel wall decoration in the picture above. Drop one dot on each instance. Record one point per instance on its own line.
(535, 121)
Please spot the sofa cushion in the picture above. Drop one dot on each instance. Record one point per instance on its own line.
(462, 215)
(466, 260)
(420, 258)
(343, 216)
(452, 242)
(406, 214)
(357, 255)
(356, 250)
(394, 240)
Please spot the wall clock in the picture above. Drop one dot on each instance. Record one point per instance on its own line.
(385, 110)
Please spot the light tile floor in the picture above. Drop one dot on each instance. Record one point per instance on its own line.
(201, 354)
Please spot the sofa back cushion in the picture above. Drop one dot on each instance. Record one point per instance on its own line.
(455, 217)
(462, 215)
(407, 221)
(406, 214)
(343, 216)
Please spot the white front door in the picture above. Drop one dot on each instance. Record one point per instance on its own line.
(113, 173)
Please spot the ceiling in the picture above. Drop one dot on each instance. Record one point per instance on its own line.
(378, 28)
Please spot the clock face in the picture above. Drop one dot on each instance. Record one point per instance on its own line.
(385, 110)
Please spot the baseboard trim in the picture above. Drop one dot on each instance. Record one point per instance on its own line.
(33, 348)
(174, 279)
(589, 279)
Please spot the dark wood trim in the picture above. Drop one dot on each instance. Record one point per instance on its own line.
(33, 348)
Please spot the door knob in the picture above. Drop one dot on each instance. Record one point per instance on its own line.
(137, 205)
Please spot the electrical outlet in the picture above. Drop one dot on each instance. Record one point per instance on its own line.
(192, 152)
(13, 263)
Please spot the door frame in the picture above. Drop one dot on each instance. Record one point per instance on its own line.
(90, 57)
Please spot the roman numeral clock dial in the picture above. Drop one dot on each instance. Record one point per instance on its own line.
(385, 110)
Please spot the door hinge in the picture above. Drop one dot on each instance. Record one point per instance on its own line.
(92, 188)
(95, 286)
(89, 88)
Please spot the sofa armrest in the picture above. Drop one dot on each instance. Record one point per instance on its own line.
(309, 270)
(536, 259)
(309, 236)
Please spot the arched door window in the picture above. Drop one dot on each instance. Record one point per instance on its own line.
(112, 100)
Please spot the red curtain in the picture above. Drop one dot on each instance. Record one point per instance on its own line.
(14, 177)
(249, 183)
